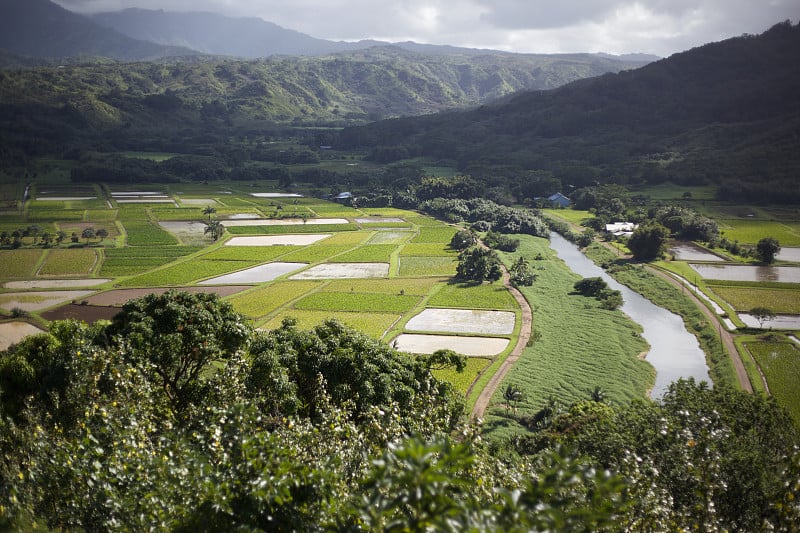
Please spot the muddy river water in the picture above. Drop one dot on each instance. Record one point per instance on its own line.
(674, 352)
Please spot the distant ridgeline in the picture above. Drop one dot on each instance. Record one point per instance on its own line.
(725, 113)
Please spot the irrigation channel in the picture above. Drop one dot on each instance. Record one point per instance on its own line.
(674, 352)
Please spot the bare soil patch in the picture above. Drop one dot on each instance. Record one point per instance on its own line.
(13, 332)
(86, 313)
(278, 240)
(118, 297)
(258, 274)
(471, 346)
(463, 321)
(345, 270)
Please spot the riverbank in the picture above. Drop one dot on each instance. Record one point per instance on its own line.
(664, 294)
(576, 346)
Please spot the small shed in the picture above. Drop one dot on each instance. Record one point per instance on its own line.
(343, 197)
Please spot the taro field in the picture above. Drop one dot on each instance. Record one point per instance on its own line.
(779, 364)
(292, 258)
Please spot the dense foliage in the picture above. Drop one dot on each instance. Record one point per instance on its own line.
(330, 430)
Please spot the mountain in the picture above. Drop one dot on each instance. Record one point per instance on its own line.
(43, 29)
(726, 112)
(215, 34)
(253, 38)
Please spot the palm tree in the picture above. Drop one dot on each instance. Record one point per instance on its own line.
(208, 210)
(512, 395)
(215, 229)
(597, 395)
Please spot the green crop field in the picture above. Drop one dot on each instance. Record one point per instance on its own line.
(315, 253)
(19, 263)
(309, 227)
(347, 237)
(414, 267)
(55, 215)
(392, 212)
(358, 302)
(574, 216)
(145, 233)
(417, 287)
(372, 324)
(435, 234)
(423, 221)
(370, 253)
(72, 262)
(750, 231)
(186, 272)
(390, 237)
(262, 301)
(101, 215)
(427, 250)
(778, 362)
(577, 345)
(463, 380)
(486, 296)
(180, 213)
(131, 261)
(742, 299)
(249, 253)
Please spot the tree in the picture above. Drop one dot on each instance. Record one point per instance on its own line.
(87, 234)
(512, 395)
(101, 234)
(762, 314)
(215, 229)
(60, 236)
(767, 248)
(590, 286)
(649, 241)
(521, 273)
(176, 337)
(477, 265)
(463, 239)
(209, 210)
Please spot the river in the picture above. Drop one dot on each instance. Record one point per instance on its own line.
(674, 352)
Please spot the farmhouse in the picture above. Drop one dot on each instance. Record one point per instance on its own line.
(559, 200)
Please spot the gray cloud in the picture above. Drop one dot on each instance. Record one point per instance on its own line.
(618, 26)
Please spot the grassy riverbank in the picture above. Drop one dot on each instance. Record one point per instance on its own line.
(577, 346)
(666, 295)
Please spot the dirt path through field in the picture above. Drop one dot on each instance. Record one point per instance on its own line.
(482, 403)
(726, 337)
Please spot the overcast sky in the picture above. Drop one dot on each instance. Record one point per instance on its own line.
(660, 27)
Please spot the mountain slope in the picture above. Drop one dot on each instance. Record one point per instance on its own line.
(727, 112)
(42, 29)
(215, 34)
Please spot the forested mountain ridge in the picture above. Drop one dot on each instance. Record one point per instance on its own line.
(42, 29)
(63, 107)
(726, 112)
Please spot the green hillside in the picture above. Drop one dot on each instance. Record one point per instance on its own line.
(724, 113)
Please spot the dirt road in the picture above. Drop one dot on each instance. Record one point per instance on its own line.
(482, 403)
